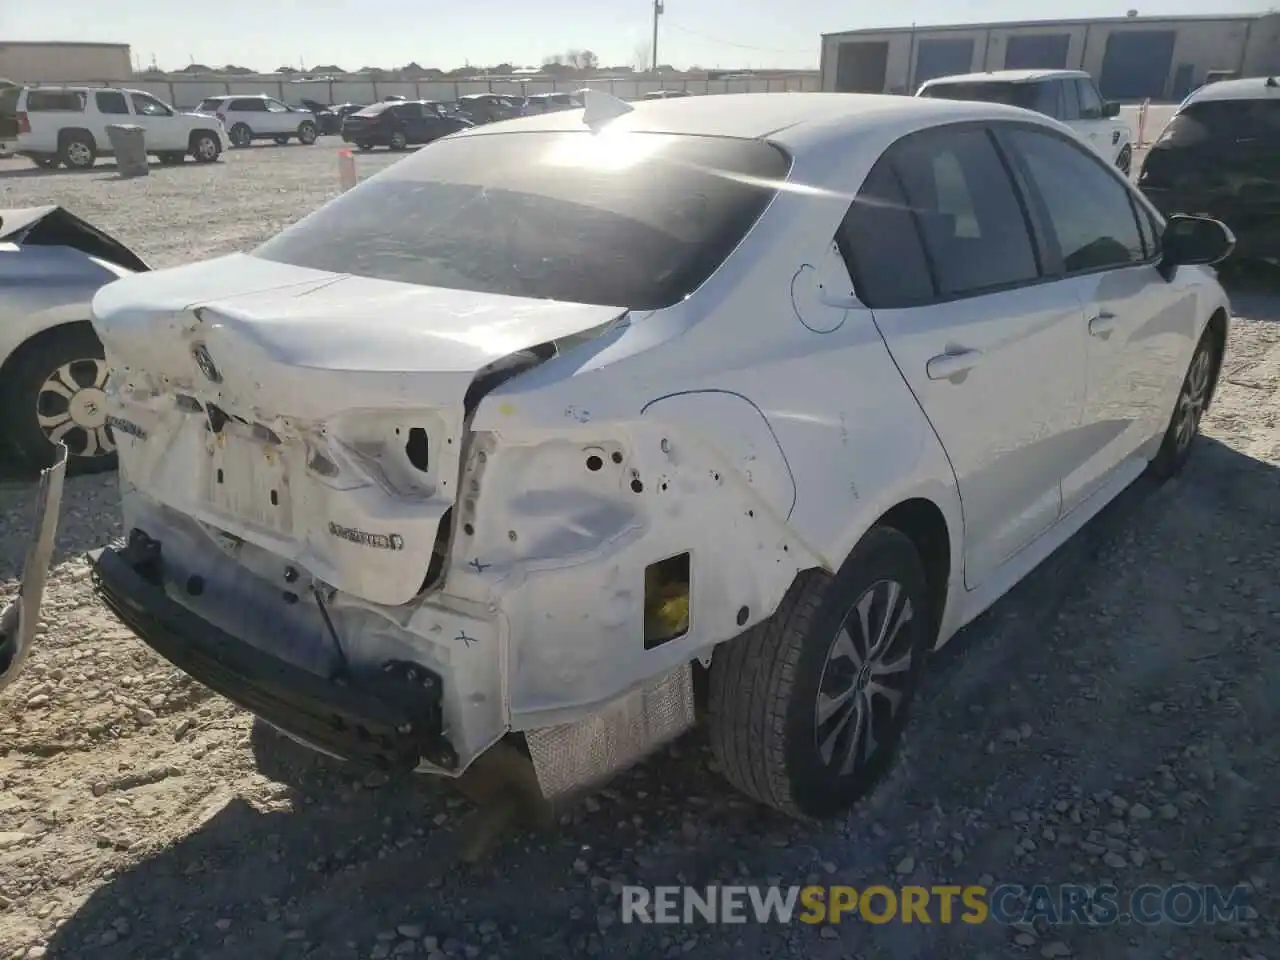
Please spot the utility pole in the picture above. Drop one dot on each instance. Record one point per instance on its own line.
(657, 12)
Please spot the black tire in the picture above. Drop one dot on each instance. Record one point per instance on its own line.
(205, 146)
(170, 158)
(765, 685)
(281, 140)
(77, 151)
(241, 136)
(24, 401)
(1193, 400)
(398, 141)
(306, 133)
(1125, 160)
(46, 162)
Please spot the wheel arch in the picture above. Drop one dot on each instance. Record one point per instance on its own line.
(925, 525)
(34, 341)
(200, 132)
(1217, 329)
(67, 133)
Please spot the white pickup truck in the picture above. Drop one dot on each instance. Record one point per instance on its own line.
(68, 126)
(1066, 95)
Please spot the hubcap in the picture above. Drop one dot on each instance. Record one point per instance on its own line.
(207, 148)
(78, 153)
(1192, 400)
(863, 680)
(398, 140)
(71, 407)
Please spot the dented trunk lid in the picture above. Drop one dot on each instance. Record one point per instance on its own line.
(320, 416)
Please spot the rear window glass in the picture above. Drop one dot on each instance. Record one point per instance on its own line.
(373, 109)
(50, 100)
(633, 220)
(213, 103)
(1029, 96)
(1222, 120)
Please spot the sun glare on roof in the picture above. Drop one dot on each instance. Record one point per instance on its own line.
(606, 150)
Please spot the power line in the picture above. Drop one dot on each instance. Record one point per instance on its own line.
(730, 43)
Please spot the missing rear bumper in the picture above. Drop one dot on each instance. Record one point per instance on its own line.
(390, 719)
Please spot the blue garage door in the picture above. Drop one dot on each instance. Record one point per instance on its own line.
(1037, 51)
(941, 58)
(1136, 64)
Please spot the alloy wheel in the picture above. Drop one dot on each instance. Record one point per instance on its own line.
(863, 681)
(206, 148)
(1193, 399)
(71, 407)
(79, 154)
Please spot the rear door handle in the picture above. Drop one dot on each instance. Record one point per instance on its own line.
(945, 366)
(1102, 324)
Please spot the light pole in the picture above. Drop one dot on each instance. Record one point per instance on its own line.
(657, 12)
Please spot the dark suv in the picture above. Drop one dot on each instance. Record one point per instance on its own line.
(1220, 157)
(400, 123)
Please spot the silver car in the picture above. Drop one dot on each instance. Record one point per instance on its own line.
(51, 363)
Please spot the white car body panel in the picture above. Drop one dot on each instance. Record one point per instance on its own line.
(754, 425)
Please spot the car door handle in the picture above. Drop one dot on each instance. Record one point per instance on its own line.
(951, 364)
(1102, 324)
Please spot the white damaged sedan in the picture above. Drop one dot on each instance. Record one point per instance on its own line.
(516, 438)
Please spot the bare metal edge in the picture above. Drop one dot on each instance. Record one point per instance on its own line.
(22, 617)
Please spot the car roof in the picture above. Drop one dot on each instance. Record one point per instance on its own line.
(1246, 88)
(792, 119)
(72, 88)
(1006, 76)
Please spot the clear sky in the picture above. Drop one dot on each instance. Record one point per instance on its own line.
(266, 34)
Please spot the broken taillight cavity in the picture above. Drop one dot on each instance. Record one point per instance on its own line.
(666, 600)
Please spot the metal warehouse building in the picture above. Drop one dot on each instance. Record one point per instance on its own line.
(1131, 58)
(54, 62)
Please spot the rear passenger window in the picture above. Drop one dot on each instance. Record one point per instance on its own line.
(974, 229)
(1089, 209)
(40, 101)
(249, 106)
(881, 246)
(111, 101)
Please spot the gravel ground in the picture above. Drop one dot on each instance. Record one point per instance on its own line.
(1112, 719)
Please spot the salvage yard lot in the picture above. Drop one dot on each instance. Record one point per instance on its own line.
(1112, 720)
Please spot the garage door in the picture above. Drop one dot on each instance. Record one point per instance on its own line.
(1037, 51)
(860, 67)
(941, 58)
(1136, 64)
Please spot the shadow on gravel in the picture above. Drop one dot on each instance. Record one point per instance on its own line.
(1043, 700)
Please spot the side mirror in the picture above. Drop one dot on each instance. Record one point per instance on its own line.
(1192, 241)
(1110, 109)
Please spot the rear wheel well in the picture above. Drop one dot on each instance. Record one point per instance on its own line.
(75, 133)
(1217, 328)
(923, 523)
(196, 134)
(34, 341)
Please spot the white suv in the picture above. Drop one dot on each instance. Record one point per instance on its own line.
(1066, 95)
(68, 125)
(259, 117)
